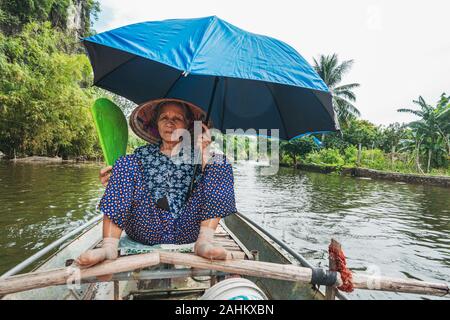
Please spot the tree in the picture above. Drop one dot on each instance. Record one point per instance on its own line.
(331, 71)
(361, 132)
(14, 14)
(431, 130)
(20, 12)
(298, 147)
(44, 95)
(443, 117)
(412, 144)
(391, 136)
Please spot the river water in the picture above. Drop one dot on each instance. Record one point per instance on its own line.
(400, 230)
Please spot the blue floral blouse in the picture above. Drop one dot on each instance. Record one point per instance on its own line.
(166, 176)
(140, 179)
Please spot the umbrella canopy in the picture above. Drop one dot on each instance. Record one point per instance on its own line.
(245, 80)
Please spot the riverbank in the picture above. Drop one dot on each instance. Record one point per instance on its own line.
(442, 181)
(44, 160)
(38, 159)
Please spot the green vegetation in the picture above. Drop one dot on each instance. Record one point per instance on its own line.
(431, 132)
(422, 146)
(45, 95)
(45, 88)
(401, 148)
(15, 14)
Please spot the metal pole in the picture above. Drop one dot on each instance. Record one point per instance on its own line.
(48, 248)
(196, 166)
(159, 274)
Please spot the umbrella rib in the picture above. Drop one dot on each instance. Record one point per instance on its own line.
(225, 86)
(313, 92)
(114, 69)
(278, 108)
(173, 85)
(213, 95)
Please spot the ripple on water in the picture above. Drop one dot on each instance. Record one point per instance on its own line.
(401, 229)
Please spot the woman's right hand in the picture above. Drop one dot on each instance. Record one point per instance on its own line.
(105, 174)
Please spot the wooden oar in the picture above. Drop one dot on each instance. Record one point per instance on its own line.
(291, 272)
(71, 274)
(287, 272)
(112, 129)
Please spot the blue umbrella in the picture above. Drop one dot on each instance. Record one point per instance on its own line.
(242, 80)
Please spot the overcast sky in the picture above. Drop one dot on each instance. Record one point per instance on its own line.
(401, 48)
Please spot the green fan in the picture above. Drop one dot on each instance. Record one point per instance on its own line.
(112, 129)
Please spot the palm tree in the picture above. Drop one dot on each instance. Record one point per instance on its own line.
(443, 116)
(413, 145)
(331, 72)
(431, 130)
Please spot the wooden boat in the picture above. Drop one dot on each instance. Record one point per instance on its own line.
(175, 282)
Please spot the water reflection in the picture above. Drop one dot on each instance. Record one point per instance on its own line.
(401, 229)
(40, 203)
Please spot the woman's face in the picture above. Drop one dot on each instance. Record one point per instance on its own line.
(171, 118)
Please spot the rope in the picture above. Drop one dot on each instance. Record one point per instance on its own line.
(338, 257)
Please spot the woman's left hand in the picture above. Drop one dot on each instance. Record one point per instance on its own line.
(203, 142)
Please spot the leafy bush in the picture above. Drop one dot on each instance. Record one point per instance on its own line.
(330, 157)
(374, 159)
(44, 99)
(286, 159)
(298, 147)
(334, 140)
(350, 155)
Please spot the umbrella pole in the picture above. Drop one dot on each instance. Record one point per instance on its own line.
(196, 166)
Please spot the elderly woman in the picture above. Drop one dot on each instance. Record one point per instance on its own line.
(147, 190)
